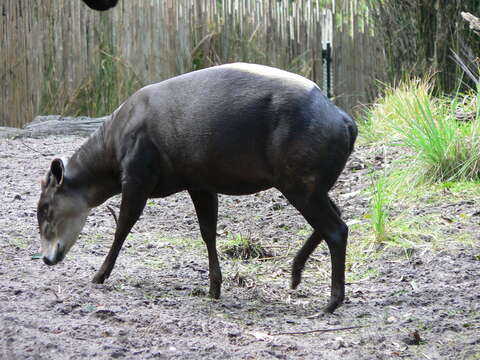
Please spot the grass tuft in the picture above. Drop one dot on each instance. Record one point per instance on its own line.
(244, 248)
(379, 212)
(442, 132)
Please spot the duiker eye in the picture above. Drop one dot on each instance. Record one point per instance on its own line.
(44, 213)
(49, 215)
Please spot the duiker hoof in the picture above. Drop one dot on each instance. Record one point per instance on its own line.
(99, 279)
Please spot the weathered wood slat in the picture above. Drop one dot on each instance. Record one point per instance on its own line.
(64, 125)
(51, 49)
(55, 125)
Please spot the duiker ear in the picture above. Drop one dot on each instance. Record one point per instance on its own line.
(58, 170)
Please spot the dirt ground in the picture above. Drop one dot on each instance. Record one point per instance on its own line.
(420, 305)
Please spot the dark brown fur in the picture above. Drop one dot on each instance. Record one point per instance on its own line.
(233, 129)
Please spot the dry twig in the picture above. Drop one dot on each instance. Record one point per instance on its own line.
(473, 21)
(32, 149)
(318, 330)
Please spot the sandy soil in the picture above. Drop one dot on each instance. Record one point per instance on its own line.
(424, 306)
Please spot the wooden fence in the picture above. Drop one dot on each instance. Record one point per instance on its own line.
(58, 56)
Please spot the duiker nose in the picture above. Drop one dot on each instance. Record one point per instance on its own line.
(47, 261)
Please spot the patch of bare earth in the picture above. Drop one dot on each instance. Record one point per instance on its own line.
(425, 305)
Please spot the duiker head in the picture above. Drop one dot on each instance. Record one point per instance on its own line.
(61, 214)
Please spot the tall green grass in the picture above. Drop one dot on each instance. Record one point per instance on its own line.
(382, 119)
(445, 147)
(431, 156)
(378, 208)
(448, 149)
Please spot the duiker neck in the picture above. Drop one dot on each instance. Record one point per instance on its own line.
(92, 170)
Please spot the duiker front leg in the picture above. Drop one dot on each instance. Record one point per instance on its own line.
(206, 206)
(134, 199)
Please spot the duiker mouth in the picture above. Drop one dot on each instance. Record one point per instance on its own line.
(59, 255)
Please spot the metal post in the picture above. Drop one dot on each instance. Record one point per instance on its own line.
(327, 69)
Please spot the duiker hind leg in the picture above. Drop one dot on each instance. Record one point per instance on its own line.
(323, 215)
(306, 250)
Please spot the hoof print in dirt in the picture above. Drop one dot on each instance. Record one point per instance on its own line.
(105, 314)
(198, 292)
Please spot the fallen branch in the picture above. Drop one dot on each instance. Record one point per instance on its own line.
(468, 69)
(60, 125)
(318, 330)
(473, 21)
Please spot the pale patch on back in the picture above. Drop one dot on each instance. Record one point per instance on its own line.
(273, 73)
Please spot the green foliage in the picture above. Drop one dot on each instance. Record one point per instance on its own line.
(442, 133)
(379, 212)
(447, 149)
(382, 120)
(430, 158)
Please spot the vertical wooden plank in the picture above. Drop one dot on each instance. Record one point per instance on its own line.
(56, 43)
